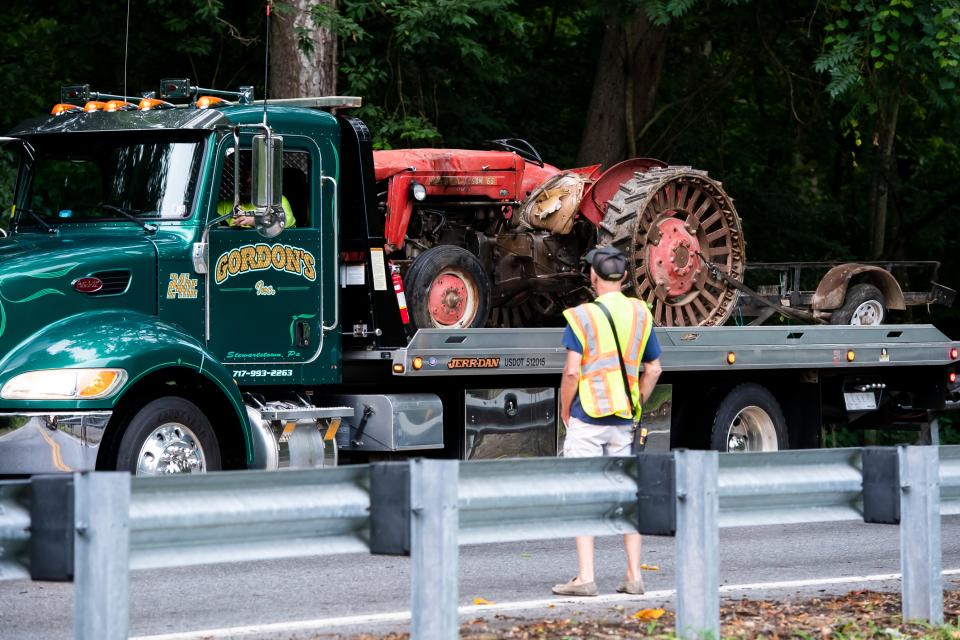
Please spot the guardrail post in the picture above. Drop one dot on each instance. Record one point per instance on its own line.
(102, 556)
(697, 543)
(433, 549)
(921, 584)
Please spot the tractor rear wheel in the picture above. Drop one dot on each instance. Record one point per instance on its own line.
(664, 220)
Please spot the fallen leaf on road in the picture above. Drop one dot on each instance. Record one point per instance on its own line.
(650, 567)
(648, 614)
(481, 601)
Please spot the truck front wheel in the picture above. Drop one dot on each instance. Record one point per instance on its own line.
(169, 435)
(749, 419)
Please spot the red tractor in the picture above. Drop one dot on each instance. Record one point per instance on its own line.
(496, 238)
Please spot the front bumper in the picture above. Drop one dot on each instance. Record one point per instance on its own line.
(49, 442)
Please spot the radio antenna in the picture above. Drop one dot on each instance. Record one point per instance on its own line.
(126, 48)
(266, 66)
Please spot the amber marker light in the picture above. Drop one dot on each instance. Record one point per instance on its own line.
(851, 355)
(398, 368)
(119, 105)
(94, 105)
(731, 357)
(94, 383)
(205, 102)
(149, 104)
(417, 363)
(63, 107)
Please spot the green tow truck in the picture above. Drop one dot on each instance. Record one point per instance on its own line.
(144, 327)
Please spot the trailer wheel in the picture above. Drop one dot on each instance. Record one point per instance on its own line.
(447, 287)
(169, 435)
(864, 304)
(749, 419)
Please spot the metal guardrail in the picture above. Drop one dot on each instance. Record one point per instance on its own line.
(791, 487)
(239, 516)
(542, 498)
(950, 480)
(15, 530)
(120, 523)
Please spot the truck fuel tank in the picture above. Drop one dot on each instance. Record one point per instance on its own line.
(390, 422)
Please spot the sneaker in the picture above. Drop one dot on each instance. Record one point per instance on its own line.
(635, 587)
(574, 588)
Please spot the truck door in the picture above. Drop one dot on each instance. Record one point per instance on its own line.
(265, 294)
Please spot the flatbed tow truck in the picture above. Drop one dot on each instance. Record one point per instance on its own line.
(139, 331)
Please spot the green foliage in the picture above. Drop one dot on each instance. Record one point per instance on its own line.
(892, 47)
(424, 65)
(663, 12)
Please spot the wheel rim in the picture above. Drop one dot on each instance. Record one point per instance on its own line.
(752, 429)
(869, 312)
(453, 298)
(171, 448)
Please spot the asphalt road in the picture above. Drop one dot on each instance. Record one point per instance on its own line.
(360, 593)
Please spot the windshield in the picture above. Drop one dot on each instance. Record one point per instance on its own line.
(94, 177)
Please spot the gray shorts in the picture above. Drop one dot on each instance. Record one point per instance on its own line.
(590, 440)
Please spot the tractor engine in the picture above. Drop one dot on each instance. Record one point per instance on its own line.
(497, 238)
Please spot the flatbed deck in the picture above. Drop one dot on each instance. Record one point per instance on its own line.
(433, 352)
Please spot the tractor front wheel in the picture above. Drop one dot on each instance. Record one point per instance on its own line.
(448, 288)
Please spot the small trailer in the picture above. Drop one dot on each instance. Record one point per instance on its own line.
(839, 293)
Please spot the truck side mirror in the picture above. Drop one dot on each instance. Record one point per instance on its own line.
(267, 184)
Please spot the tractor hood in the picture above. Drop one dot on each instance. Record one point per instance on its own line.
(47, 277)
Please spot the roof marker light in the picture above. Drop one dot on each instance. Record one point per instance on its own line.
(119, 105)
(63, 107)
(94, 105)
(149, 104)
(205, 102)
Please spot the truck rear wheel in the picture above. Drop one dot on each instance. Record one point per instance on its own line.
(169, 435)
(749, 419)
(864, 304)
(448, 288)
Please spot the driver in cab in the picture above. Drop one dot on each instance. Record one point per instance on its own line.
(247, 221)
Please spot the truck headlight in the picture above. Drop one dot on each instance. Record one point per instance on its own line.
(63, 384)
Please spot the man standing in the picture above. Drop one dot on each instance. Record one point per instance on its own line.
(602, 391)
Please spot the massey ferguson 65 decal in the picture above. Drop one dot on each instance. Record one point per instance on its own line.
(260, 257)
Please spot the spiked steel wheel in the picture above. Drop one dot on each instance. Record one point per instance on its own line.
(663, 219)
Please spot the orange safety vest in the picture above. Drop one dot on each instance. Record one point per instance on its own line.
(601, 382)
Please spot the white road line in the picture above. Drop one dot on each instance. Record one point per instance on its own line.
(306, 626)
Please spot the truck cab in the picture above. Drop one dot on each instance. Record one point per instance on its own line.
(133, 309)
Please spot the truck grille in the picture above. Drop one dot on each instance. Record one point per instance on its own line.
(114, 282)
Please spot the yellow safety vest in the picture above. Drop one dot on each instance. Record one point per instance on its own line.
(601, 382)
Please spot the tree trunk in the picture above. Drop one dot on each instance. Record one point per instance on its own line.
(884, 138)
(303, 56)
(624, 89)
